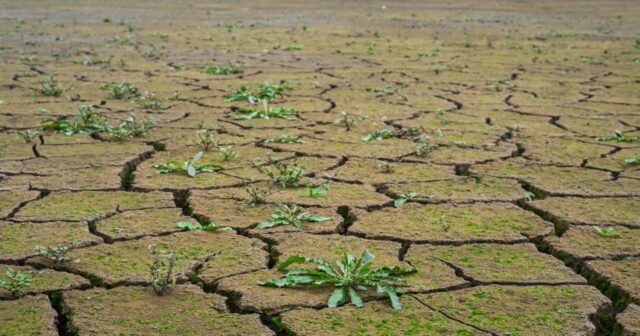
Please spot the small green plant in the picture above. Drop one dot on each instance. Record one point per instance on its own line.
(618, 137)
(632, 160)
(190, 167)
(385, 133)
(291, 215)
(442, 117)
(48, 88)
(315, 191)
(529, 197)
(351, 276)
(284, 174)
(227, 153)
(130, 128)
(371, 47)
(348, 120)
(57, 253)
(283, 138)
(227, 69)
(122, 90)
(424, 147)
(152, 53)
(265, 91)
(28, 135)
(607, 232)
(386, 167)
(149, 101)
(206, 140)
(188, 226)
(408, 196)
(267, 112)
(387, 89)
(162, 276)
(14, 282)
(256, 196)
(292, 47)
(91, 61)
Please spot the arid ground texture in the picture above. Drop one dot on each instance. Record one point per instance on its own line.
(159, 160)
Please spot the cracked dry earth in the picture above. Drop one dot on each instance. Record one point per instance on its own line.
(524, 222)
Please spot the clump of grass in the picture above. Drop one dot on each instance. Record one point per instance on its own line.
(283, 174)
(227, 69)
(48, 88)
(291, 215)
(122, 90)
(351, 276)
(162, 275)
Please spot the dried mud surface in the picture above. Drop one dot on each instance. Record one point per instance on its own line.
(509, 128)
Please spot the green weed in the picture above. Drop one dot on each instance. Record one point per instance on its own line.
(290, 215)
(190, 167)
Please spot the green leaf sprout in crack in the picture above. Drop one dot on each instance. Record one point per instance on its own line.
(48, 88)
(607, 232)
(162, 275)
(348, 120)
(632, 160)
(315, 191)
(227, 69)
(265, 91)
(351, 276)
(206, 140)
(424, 146)
(385, 133)
(227, 153)
(122, 90)
(190, 167)
(617, 137)
(387, 89)
(149, 101)
(408, 196)
(283, 138)
(57, 253)
(28, 135)
(529, 197)
(282, 173)
(291, 215)
(130, 128)
(188, 226)
(292, 47)
(386, 167)
(15, 282)
(256, 196)
(266, 112)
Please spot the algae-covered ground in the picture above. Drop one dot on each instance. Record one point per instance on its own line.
(494, 146)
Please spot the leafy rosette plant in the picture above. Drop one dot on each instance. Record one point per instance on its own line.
(191, 167)
(351, 276)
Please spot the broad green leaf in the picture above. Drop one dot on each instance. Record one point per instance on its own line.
(355, 298)
(316, 218)
(393, 296)
(187, 226)
(337, 298)
(399, 202)
(294, 259)
(266, 224)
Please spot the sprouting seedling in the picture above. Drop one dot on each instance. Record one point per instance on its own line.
(188, 226)
(315, 191)
(152, 53)
(57, 253)
(442, 117)
(371, 47)
(386, 167)
(89, 61)
(444, 222)
(292, 47)
(283, 138)
(265, 91)
(529, 196)
(206, 140)
(122, 90)
(607, 232)
(632, 160)
(284, 174)
(385, 133)
(618, 137)
(408, 196)
(424, 147)
(290, 215)
(256, 196)
(149, 101)
(475, 177)
(387, 89)
(227, 69)
(348, 120)
(15, 282)
(162, 276)
(49, 88)
(266, 112)
(227, 153)
(131, 128)
(190, 167)
(351, 276)
(28, 135)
